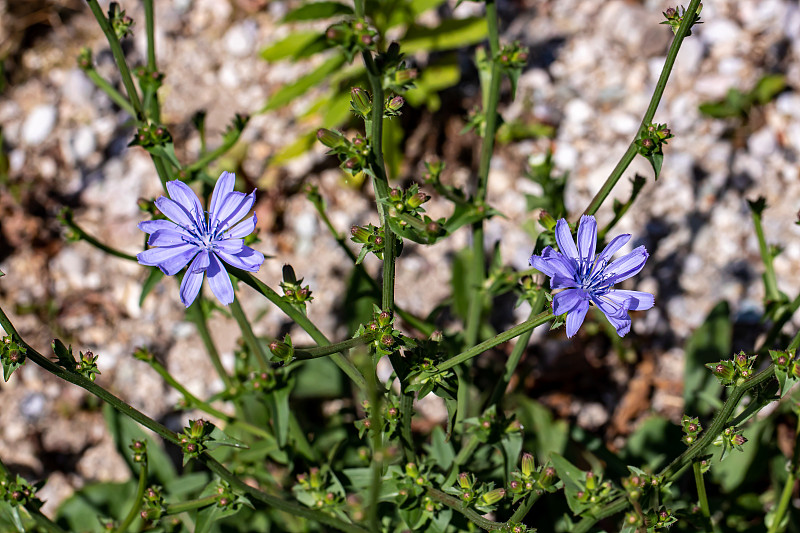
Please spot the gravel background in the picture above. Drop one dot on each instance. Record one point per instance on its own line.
(593, 68)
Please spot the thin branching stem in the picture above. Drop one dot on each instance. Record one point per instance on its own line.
(630, 153)
(137, 500)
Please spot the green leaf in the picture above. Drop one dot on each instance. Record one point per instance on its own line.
(150, 283)
(451, 33)
(656, 160)
(573, 481)
(220, 438)
(768, 88)
(550, 435)
(166, 151)
(64, 355)
(2, 273)
(460, 282)
(440, 450)
(467, 214)
(318, 10)
(82, 510)
(512, 448)
(290, 46)
(289, 92)
(279, 404)
(711, 342)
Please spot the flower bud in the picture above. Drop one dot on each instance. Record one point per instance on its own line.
(393, 105)
(528, 465)
(591, 481)
(494, 496)
(464, 481)
(360, 101)
(417, 200)
(329, 138)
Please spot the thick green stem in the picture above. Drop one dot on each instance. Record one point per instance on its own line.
(630, 153)
(523, 510)
(301, 320)
(457, 505)
(302, 354)
(701, 494)
(477, 272)
(170, 436)
(119, 57)
(150, 28)
(466, 451)
(137, 500)
(191, 505)
(256, 348)
(69, 220)
(788, 487)
(784, 315)
(500, 338)
(207, 158)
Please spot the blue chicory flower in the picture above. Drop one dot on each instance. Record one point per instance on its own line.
(589, 279)
(206, 241)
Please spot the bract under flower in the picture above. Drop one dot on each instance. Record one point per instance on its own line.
(208, 240)
(589, 279)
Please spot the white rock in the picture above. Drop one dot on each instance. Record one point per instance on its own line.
(83, 143)
(690, 56)
(240, 39)
(763, 142)
(721, 34)
(788, 104)
(578, 111)
(77, 87)
(16, 160)
(39, 124)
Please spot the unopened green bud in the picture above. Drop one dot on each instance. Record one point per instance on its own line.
(393, 105)
(360, 101)
(412, 470)
(197, 428)
(591, 481)
(547, 221)
(329, 138)
(417, 200)
(527, 464)
(547, 477)
(494, 496)
(360, 234)
(464, 481)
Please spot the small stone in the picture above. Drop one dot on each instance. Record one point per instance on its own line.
(39, 124)
(83, 143)
(78, 89)
(240, 40)
(32, 406)
(763, 142)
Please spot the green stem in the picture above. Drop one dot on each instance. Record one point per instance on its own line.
(150, 23)
(190, 399)
(112, 93)
(523, 510)
(170, 436)
(45, 523)
(302, 354)
(119, 57)
(256, 348)
(770, 280)
(207, 158)
(701, 494)
(458, 506)
(500, 338)
(466, 451)
(788, 487)
(477, 271)
(630, 153)
(195, 315)
(69, 220)
(137, 500)
(783, 317)
(161, 170)
(516, 353)
(674, 469)
(191, 505)
(301, 320)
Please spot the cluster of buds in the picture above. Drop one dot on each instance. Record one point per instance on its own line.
(406, 201)
(652, 138)
(315, 490)
(674, 16)
(691, 429)
(386, 339)
(85, 61)
(12, 355)
(434, 169)
(293, 290)
(530, 479)
(353, 154)
(661, 519)
(120, 22)
(20, 492)
(412, 488)
(734, 371)
(390, 415)
(425, 376)
(490, 427)
(87, 365)
(787, 367)
(151, 135)
(353, 36)
(483, 497)
(225, 495)
(372, 239)
(730, 438)
(149, 80)
(195, 435)
(595, 490)
(153, 504)
(516, 527)
(262, 381)
(142, 353)
(638, 482)
(513, 56)
(282, 350)
(139, 449)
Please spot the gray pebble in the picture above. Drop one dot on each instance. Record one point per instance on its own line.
(39, 124)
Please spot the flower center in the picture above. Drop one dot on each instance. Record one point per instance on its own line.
(591, 276)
